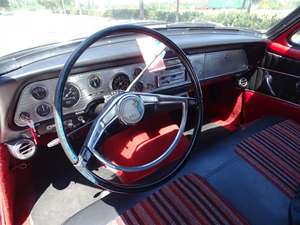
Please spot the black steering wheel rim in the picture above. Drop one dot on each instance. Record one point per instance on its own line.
(58, 106)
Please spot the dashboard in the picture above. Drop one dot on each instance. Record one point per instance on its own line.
(28, 92)
(82, 89)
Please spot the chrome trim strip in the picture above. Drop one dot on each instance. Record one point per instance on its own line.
(282, 73)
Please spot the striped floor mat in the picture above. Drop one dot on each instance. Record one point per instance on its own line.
(187, 200)
(275, 152)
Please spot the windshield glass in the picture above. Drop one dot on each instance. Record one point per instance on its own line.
(29, 23)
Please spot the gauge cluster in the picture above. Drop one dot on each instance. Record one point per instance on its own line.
(81, 89)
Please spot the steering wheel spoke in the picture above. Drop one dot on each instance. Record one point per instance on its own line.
(164, 103)
(154, 98)
(101, 124)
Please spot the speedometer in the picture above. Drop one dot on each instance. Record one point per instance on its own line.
(71, 95)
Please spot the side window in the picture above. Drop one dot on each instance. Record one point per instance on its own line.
(295, 39)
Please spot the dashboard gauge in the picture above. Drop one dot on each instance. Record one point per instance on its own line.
(94, 81)
(39, 92)
(71, 95)
(136, 72)
(139, 86)
(120, 82)
(43, 109)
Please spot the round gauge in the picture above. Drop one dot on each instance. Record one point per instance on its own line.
(43, 109)
(71, 95)
(136, 72)
(139, 86)
(39, 92)
(94, 81)
(120, 82)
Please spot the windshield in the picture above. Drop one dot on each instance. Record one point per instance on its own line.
(29, 23)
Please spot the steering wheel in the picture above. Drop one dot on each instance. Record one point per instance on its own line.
(128, 108)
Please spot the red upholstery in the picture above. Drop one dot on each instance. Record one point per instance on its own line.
(258, 105)
(226, 110)
(16, 198)
(7, 188)
(275, 153)
(143, 143)
(187, 200)
(24, 197)
(232, 120)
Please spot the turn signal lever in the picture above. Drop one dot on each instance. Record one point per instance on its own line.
(53, 143)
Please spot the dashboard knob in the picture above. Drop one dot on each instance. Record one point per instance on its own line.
(81, 119)
(24, 116)
(69, 123)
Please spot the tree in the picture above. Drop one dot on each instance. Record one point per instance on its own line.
(177, 10)
(142, 10)
(244, 4)
(57, 5)
(251, 2)
(53, 5)
(63, 6)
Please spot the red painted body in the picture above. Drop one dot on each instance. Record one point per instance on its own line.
(281, 46)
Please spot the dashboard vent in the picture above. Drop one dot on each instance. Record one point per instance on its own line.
(22, 149)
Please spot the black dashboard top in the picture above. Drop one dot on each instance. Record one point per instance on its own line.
(53, 56)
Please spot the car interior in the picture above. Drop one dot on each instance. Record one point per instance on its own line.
(138, 124)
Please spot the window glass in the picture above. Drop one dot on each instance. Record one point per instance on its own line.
(295, 39)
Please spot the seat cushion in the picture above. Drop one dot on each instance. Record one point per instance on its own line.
(187, 200)
(275, 152)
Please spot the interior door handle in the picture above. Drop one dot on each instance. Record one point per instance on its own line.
(269, 79)
(298, 87)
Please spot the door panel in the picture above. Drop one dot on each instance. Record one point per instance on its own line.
(279, 73)
(278, 77)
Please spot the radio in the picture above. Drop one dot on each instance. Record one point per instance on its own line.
(173, 74)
